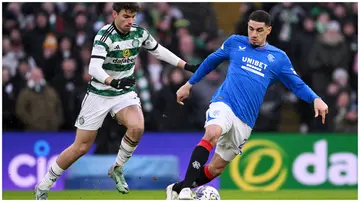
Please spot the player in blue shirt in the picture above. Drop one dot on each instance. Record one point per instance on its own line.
(254, 66)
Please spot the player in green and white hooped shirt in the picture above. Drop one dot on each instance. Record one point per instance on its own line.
(112, 90)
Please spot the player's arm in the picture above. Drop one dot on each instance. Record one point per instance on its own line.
(98, 55)
(162, 53)
(208, 65)
(211, 62)
(292, 81)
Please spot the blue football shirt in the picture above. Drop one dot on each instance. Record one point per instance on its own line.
(251, 71)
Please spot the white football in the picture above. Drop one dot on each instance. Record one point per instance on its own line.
(207, 193)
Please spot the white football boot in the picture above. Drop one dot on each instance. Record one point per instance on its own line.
(186, 194)
(170, 193)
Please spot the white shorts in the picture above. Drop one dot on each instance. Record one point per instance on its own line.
(94, 108)
(235, 133)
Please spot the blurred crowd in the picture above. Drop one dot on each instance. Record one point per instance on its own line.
(47, 47)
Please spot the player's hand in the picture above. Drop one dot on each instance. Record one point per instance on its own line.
(124, 83)
(183, 93)
(321, 108)
(191, 68)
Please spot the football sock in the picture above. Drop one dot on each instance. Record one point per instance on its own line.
(127, 148)
(51, 176)
(199, 157)
(204, 177)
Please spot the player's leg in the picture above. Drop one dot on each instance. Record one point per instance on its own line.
(83, 141)
(226, 150)
(90, 119)
(212, 170)
(199, 157)
(201, 153)
(132, 118)
(228, 147)
(218, 163)
(129, 114)
(218, 122)
(207, 174)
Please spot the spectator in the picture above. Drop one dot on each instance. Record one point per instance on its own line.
(187, 50)
(346, 114)
(34, 39)
(171, 116)
(338, 86)
(38, 105)
(81, 89)
(339, 12)
(205, 90)
(6, 46)
(349, 31)
(50, 63)
(20, 78)
(65, 85)
(68, 49)
(56, 22)
(352, 43)
(303, 45)
(82, 30)
(12, 57)
(12, 18)
(15, 9)
(286, 19)
(165, 24)
(270, 113)
(329, 52)
(85, 56)
(303, 41)
(9, 100)
(322, 20)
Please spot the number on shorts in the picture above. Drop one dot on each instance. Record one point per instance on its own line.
(242, 145)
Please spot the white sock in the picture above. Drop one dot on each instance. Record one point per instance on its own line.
(51, 176)
(127, 147)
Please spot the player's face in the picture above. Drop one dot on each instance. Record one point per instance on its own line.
(257, 32)
(124, 19)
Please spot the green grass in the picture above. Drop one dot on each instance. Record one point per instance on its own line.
(160, 195)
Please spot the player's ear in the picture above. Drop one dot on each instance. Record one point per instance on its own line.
(114, 14)
(269, 29)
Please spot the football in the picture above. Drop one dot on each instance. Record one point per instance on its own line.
(207, 193)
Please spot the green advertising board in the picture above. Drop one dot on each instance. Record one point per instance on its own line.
(284, 161)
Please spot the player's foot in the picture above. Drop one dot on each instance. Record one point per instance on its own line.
(170, 193)
(116, 173)
(40, 194)
(186, 194)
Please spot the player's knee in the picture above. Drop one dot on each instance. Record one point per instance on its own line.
(215, 170)
(136, 130)
(81, 149)
(212, 134)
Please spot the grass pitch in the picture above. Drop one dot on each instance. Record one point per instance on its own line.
(160, 195)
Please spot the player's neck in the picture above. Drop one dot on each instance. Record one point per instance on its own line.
(257, 46)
